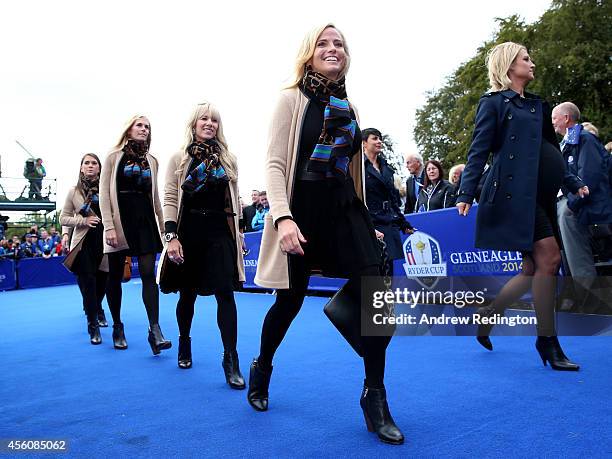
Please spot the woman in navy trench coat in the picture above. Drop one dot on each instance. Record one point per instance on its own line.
(382, 198)
(517, 207)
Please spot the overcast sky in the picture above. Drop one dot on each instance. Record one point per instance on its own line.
(74, 71)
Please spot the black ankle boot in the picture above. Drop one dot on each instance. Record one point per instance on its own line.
(94, 333)
(102, 322)
(231, 368)
(259, 382)
(377, 416)
(157, 341)
(119, 341)
(550, 350)
(184, 353)
(482, 335)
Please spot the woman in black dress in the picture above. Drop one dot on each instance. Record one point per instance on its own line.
(317, 219)
(517, 207)
(203, 255)
(80, 216)
(133, 221)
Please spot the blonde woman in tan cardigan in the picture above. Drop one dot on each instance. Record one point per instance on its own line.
(203, 255)
(80, 217)
(317, 218)
(133, 221)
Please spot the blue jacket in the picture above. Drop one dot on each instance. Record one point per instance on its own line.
(510, 128)
(587, 160)
(258, 219)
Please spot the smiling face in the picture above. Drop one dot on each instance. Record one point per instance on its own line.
(140, 130)
(90, 166)
(432, 172)
(206, 127)
(329, 57)
(523, 68)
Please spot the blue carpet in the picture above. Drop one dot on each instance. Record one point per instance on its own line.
(450, 397)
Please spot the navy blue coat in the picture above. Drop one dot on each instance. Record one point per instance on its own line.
(382, 200)
(510, 128)
(587, 160)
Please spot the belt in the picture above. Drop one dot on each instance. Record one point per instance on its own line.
(131, 192)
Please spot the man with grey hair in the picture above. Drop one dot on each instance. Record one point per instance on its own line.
(414, 163)
(585, 158)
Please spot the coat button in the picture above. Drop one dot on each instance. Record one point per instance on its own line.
(495, 183)
(508, 196)
(510, 177)
(506, 100)
(509, 116)
(532, 110)
(512, 137)
(511, 156)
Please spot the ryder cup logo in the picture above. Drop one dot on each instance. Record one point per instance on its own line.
(423, 259)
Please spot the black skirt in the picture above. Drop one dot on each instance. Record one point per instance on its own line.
(90, 256)
(209, 249)
(337, 227)
(139, 223)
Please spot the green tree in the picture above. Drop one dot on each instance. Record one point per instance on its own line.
(571, 45)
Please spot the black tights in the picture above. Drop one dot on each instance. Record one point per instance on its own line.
(93, 288)
(150, 292)
(227, 317)
(539, 273)
(289, 302)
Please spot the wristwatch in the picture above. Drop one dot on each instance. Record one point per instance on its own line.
(169, 236)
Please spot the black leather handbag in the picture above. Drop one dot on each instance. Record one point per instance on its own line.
(345, 313)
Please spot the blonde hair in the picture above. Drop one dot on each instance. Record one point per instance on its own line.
(307, 50)
(590, 127)
(451, 172)
(123, 139)
(498, 62)
(228, 159)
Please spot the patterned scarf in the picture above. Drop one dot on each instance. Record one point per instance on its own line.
(334, 148)
(137, 167)
(209, 169)
(90, 189)
(572, 136)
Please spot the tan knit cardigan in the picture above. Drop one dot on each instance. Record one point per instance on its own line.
(109, 204)
(282, 156)
(173, 194)
(74, 224)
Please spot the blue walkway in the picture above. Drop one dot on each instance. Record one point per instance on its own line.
(450, 397)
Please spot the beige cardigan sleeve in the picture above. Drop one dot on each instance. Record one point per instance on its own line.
(105, 199)
(68, 217)
(171, 192)
(277, 158)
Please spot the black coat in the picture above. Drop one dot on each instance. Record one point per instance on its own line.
(411, 197)
(247, 214)
(442, 196)
(587, 160)
(510, 128)
(382, 200)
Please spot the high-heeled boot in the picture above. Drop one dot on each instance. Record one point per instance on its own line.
(231, 368)
(94, 333)
(482, 335)
(550, 350)
(377, 416)
(184, 352)
(119, 341)
(157, 341)
(259, 382)
(102, 322)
